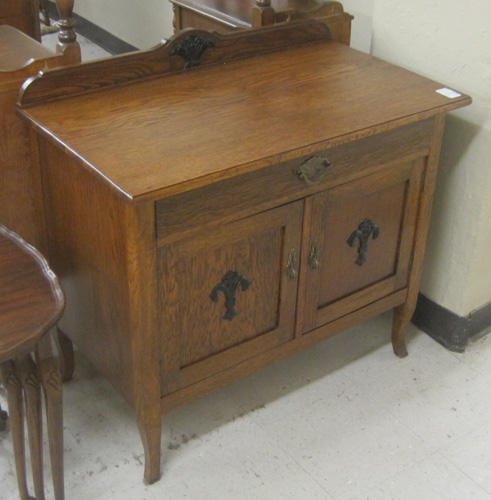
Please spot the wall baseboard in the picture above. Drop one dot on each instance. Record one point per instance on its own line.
(449, 329)
(94, 33)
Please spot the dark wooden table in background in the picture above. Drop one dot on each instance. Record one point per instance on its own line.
(226, 16)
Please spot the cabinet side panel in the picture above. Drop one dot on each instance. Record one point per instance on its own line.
(88, 252)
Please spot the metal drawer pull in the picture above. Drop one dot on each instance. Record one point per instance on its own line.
(365, 229)
(313, 170)
(291, 265)
(228, 286)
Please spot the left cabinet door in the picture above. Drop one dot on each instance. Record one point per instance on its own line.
(227, 294)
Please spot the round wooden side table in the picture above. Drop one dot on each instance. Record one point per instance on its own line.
(31, 302)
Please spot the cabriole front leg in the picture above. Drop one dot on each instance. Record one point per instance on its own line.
(150, 427)
(400, 323)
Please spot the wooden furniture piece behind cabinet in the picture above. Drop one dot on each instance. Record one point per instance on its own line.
(191, 258)
(21, 204)
(231, 15)
(23, 15)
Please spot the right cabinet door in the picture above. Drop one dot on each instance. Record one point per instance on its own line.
(359, 242)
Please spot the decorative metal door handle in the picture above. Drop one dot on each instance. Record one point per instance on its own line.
(228, 286)
(365, 229)
(291, 265)
(312, 171)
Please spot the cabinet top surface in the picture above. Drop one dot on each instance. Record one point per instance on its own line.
(164, 135)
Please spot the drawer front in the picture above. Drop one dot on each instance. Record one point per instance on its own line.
(180, 215)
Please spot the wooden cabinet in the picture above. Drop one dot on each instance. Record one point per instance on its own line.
(206, 222)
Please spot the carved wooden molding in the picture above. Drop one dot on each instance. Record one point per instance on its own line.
(191, 48)
(161, 59)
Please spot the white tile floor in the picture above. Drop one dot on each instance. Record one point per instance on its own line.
(345, 420)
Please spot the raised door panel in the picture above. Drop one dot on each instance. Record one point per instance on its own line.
(360, 242)
(226, 295)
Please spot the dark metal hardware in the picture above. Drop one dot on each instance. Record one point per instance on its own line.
(366, 229)
(228, 286)
(312, 171)
(191, 49)
(291, 265)
(314, 257)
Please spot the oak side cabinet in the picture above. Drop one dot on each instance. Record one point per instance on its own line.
(220, 202)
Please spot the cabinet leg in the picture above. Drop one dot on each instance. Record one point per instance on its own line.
(67, 362)
(400, 323)
(150, 426)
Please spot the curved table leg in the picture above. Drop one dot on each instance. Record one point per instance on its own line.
(15, 399)
(53, 393)
(67, 361)
(3, 419)
(28, 374)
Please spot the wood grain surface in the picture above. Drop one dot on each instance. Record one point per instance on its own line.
(302, 99)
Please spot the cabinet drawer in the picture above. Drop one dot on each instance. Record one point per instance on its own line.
(180, 215)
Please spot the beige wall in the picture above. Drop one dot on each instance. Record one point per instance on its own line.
(361, 26)
(450, 41)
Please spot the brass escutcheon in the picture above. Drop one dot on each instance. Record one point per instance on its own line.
(312, 171)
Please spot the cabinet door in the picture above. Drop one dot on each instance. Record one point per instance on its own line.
(227, 295)
(359, 244)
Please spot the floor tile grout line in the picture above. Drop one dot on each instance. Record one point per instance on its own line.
(464, 473)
